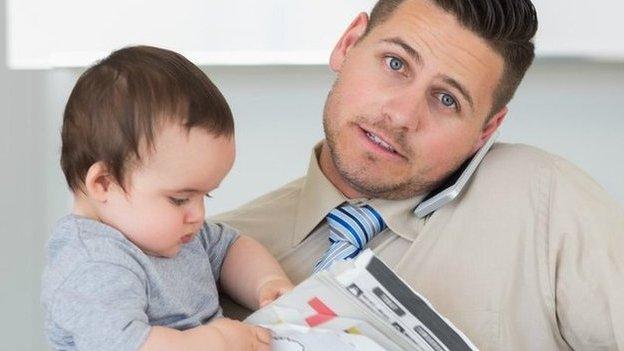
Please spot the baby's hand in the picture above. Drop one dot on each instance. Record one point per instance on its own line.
(272, 289)
(240, 336)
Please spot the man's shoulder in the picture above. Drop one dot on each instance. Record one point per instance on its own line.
(259, 214)
(508, 157)
(516, 169)
(275, 200)
(520, 163)
(526, 161)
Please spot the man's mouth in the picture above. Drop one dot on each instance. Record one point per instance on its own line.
(376, 139)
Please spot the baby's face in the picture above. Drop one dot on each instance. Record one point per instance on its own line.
(163, 207)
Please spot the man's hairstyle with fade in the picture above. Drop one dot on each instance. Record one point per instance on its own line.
(508, 26)
(117, 106)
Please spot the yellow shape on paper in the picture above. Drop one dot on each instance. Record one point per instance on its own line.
(353, 330)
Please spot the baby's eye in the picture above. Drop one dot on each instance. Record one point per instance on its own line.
(208, 195)
(395, 63)
(177, 201)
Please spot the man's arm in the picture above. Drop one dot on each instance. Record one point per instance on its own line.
(586, 244)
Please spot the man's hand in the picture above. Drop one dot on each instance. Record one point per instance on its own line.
(240, 336)
(272, 289)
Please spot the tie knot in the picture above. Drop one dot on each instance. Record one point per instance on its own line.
(354, 224)
(350, 229)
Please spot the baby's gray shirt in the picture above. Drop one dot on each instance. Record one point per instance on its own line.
(101, 292)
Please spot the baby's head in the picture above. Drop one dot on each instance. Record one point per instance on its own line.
(145, 137)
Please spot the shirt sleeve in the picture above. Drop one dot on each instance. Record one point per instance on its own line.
(587, 242)
(217, 238)
(102, 306)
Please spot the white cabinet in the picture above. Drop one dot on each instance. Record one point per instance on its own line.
(75, 33)
(581, 28)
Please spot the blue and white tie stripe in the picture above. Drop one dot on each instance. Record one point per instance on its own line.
(350, 229)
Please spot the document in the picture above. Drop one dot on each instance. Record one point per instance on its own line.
(358, 304)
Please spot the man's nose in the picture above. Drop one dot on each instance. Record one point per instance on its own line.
(406, 109)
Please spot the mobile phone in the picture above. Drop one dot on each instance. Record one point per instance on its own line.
(454, 184)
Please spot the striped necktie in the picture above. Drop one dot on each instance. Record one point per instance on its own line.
(350, 229)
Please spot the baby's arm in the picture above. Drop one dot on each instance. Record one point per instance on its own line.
(251, 276)
(101, 305)
(221, 334)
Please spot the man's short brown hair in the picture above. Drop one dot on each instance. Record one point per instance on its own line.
(508, 26)
(118, 104)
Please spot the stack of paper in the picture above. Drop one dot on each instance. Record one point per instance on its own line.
(357, 305)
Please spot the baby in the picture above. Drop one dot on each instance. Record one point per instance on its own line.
(146, 137)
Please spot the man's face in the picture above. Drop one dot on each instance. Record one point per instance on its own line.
(410, 102)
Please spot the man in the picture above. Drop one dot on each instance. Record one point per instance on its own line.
(528, 257)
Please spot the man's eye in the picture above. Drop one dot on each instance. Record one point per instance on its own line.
(394, 63)
(177, 201)
(447, 100)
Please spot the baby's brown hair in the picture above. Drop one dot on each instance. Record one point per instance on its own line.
(118, 104)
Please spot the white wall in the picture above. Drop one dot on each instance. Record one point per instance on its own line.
(43, 33)
(572, 108)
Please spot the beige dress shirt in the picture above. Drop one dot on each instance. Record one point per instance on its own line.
(529, 257)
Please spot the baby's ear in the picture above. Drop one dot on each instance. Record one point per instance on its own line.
(98, 182)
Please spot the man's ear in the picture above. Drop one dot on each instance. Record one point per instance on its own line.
(98, 182)
(491, 126)
(349, 38)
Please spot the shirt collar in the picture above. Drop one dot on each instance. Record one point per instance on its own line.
(319, 196)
